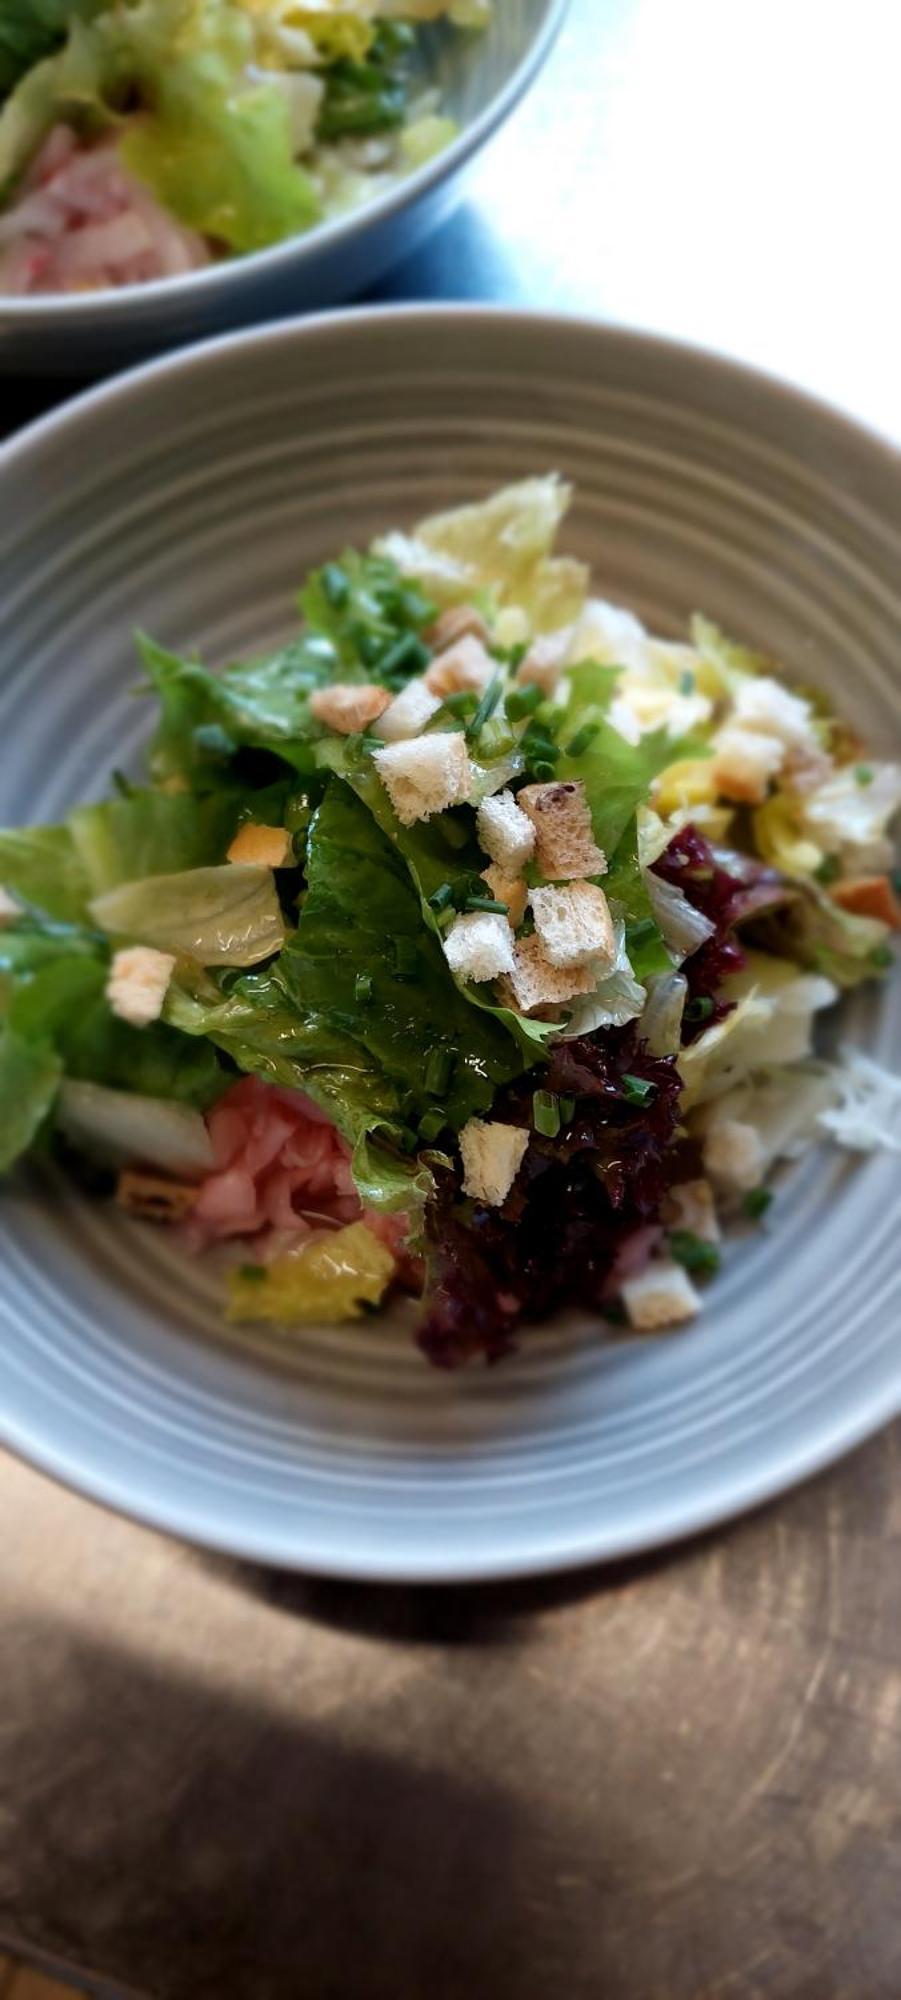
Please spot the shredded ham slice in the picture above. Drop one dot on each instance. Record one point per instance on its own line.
(282, 1175)
(80, 222)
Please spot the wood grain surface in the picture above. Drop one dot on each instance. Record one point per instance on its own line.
(674, 1780)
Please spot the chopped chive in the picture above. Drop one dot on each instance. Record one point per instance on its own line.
(368, 744)
(637, 1089)
(538, 742)
(523, 701)
(692, 1252)
(756, 1202)
(441, 898)
(464, 703)
(335, 584)
(406, 957)
(488, 903)
(407, 1139)
(829, 871)
(408, 654)
(489, 701)
(582, 738)
(362, 986)
(123, 785)
(546, 1113)
(567, 1108)
(438, 1068)
(699, 1009)
(686, 681)
(864, 773)
(543, 770)
(369, 646)
(431, 1124)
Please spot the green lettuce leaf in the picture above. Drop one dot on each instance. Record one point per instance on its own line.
(221, 916)
(500, 548)
(617, 775)
(150, 833)
(41, 865)
(29, 1079)
(261, 705)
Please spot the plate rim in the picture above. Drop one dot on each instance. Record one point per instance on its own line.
(877, 1403)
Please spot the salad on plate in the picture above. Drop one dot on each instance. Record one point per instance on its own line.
(142, 139)
(471, 944)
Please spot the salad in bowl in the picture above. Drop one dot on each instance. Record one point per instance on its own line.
(145, 139)
(470, 944)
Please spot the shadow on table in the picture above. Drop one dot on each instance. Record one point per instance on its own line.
(204, 1847)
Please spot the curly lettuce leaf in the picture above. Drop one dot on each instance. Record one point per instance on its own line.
(502, 548)
(42, 866)
(228, 915)
(361, 920)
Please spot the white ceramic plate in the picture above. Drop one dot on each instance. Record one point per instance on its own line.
(481, 78)
(189, 498)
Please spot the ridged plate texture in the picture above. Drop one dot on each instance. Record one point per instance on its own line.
(189, 499)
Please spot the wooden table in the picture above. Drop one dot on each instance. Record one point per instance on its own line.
(672, 1781)
(676, 1780)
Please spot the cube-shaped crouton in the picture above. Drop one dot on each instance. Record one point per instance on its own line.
(409, 712)
(425, 776)
(535, 986)
(564, 843)
(509, 889)
(153, 1197)
(545, 660)
(690, 1205)
(262, 846)
(349, 707)
(575, 925)
(505, 832)
(459, 621)
(663, 1295)
(479, 945)
(467, 664)
(744, 761)
(733, 1154)
(137, 983)
(492, 1155)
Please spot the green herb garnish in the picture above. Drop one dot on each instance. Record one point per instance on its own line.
(756, 1202)
(546, 1113)
(638, 1089)
(692, 1252)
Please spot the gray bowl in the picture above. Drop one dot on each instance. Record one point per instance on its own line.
(189, 498)
(481, 78)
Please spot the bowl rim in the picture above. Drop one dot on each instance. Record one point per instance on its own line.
(235, 274)
(341, 319)
(876, 1403)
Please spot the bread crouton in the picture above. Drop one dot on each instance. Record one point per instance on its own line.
(467, 664)
(505, 832)
(492, 1155)
(459, 621)
(137, 983)
(564, 843)
(535, 986)
(262, 846)
(744, 761)
(349, 707)
(154, 1197)
(479, 945)
(662, 1295)
(409, 712)
(545, 660)
(509, 889)
(575, 925)
(690, 1205)
(425, 776)
(733, 1155)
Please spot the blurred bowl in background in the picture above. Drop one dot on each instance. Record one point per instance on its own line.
(481, 78)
